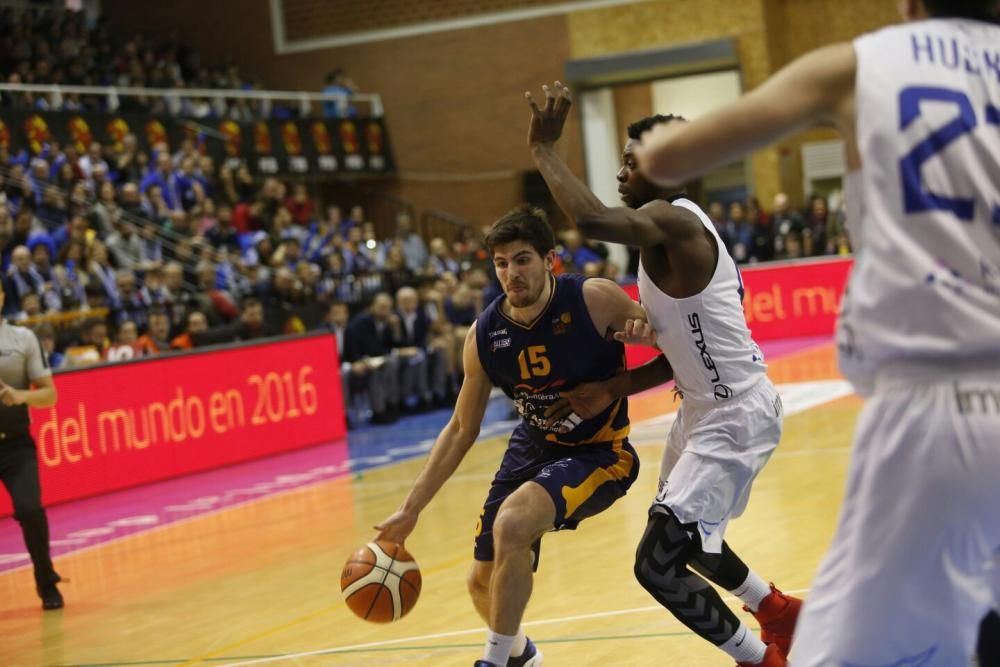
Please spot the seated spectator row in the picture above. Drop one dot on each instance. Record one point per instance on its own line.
(61, 48)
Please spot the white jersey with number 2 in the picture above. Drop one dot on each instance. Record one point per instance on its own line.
(926, 283)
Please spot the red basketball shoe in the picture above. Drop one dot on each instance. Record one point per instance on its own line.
(777, 616)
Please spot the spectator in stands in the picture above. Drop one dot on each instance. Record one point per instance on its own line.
(319, 241)
(195, 324)
(785, 221)
(395, 272)
(127, 164)
(131, 202)
(355, 219)
(577, 253)
(164, 177)
(373, 335)
(89, 162)
(132, 304)
(22, 278)
(178, 295)
(300, 205)
(355, 258)
(742, 232)
(717, 214)
(763, 236)
(47, 336)
(31, 306)
(354, 377)
(217, 305)
(371, 247)
(105, 212)
(440, 260)
(91, 345)
(100, 269)
(154, 291)
(412, 244)
(222, 233)
(123, 348)
(423, 367)
(157, 338)
(338, 83)
(41, 261)
(814, 227)
(152, 246)
(126, 246)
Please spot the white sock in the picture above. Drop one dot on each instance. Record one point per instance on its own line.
(498, 648)
(744, 646)
(520, 643)
(752, 591)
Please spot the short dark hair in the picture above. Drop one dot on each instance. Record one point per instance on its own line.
(983, 10)
(636, 129)
(525, 223)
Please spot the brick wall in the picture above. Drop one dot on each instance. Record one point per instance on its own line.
(323, 18)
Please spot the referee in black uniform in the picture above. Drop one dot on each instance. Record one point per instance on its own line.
(23, 364)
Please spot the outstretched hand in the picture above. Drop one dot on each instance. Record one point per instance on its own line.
(547, 122)
(637, 332)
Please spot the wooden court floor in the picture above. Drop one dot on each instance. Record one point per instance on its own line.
(259, 583)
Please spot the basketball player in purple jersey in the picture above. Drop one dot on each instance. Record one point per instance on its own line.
(542, 335)
(915, 562)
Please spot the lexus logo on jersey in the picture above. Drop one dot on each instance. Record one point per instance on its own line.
(721, 391)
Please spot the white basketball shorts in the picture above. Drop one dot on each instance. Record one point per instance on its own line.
(912, 568)
(714, 452)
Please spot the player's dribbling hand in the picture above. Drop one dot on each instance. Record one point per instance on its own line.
(397, 527)
(547, 122)
(637, 332)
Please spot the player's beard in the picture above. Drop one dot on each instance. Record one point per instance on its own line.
(525, 297)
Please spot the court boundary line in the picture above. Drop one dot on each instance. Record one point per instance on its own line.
(469, 631)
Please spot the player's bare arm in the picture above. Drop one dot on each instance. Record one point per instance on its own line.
(616, 314)
(546, 126)
(449, 449)
(816, 88)
(656, 223)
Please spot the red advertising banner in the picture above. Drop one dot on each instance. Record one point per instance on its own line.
(794, 299)
(128, 424)
(785, 300)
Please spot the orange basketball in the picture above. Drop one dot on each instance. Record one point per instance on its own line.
(380, 582)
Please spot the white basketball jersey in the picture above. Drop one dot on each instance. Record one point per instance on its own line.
(926, 282)
(705, 337)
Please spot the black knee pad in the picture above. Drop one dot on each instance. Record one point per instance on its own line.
(662, 557)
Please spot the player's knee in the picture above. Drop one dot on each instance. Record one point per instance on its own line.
(662, 556)
(513, 530)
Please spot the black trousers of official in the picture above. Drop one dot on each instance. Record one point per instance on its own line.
(19, 473)
(989, 641)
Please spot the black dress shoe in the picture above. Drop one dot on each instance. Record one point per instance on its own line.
(51, 597)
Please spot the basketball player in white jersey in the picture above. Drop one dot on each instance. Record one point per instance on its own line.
(913, 565)
(730, 419)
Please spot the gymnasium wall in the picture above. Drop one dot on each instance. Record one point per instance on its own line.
(452, 98)
(453, 103)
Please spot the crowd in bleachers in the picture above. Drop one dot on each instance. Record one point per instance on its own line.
(752, 234)
(60, 47)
